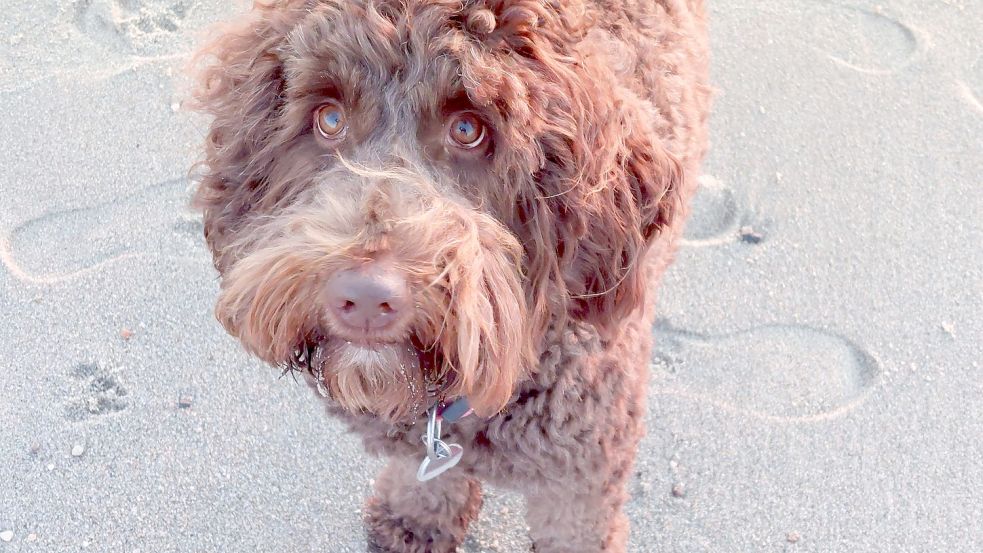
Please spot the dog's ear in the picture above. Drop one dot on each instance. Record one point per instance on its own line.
(624, 207)
(239, 83)
(606, 188)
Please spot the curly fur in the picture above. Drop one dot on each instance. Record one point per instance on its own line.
(532, 262)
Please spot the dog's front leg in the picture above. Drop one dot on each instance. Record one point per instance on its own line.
(579, 518)
(406, 516)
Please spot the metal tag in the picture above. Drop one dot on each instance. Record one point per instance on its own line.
(432, 468)
(441, 456)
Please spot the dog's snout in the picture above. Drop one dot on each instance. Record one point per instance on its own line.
(368, 299)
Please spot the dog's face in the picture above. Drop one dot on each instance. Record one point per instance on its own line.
(414, 192)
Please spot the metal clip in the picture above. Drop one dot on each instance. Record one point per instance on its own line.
(441, 456)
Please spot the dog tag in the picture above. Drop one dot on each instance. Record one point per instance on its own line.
(432, 467)
(441, 456)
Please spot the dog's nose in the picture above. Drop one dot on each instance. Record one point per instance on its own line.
(368, 299)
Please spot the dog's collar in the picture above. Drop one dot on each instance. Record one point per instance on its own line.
(440, 456)
(453, 411)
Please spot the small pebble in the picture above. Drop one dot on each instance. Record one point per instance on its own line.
(175, 107)
(750, 236)
(793, 537)
(678, 490)
(51, 467)
(185, 399)
(6, 535)
(126, 334)
(32, 537)
(78, 450)
(35, 447)
(948, 329)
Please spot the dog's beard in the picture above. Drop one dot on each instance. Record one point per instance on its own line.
(470, 318)
(394, 381)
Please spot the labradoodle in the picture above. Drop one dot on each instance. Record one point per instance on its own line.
(450, 217)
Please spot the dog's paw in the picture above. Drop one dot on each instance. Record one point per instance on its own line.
(388, 532)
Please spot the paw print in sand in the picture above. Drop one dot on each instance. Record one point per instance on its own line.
(718, 216)
(99, 393)
(137, 27)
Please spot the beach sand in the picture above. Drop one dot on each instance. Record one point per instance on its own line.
(816, 385)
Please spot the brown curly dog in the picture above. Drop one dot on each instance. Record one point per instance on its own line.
(420, 203)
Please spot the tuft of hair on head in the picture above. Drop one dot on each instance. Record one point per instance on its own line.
(481, 22)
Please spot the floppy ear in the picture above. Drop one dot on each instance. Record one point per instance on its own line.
(239, 83)
(633, 201)
(629, 186)
(607, 186)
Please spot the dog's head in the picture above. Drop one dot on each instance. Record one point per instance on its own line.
(416, 190)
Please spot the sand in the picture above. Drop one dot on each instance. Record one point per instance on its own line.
(816, 384)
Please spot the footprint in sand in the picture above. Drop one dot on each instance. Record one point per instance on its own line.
(99, 393)
(971, 87)
(138, 27)
(781, 372)
(57, 245)
(869, 41)
(866, 40)
(716, 216)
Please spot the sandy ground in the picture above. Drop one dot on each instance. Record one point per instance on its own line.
(816, 386)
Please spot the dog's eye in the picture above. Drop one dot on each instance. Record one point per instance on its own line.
(330, 121)
(466, 131)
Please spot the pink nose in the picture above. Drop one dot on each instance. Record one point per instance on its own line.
(368, 299)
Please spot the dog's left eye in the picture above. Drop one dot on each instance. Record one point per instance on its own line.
(330, 121)
(466, 131)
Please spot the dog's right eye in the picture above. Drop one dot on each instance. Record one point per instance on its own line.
(330, 121)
